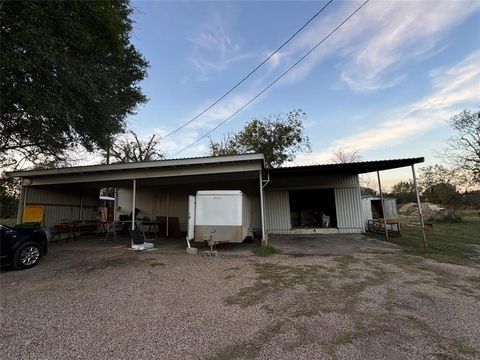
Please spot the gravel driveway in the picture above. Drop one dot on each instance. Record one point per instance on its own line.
(86, 301)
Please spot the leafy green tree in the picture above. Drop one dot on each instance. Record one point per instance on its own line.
(463, 151)
(69, 76)
(367, 191)
(279, 137)
(471, 199)
(404, 192)
(9, 195)
(436, 174)
(439, 185)
(442, 193)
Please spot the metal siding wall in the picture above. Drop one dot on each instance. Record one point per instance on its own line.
(124, 201)
(62, 205)
(277, 212)
(349, 210)
(367, 209)
(320, 181)
(390, 208)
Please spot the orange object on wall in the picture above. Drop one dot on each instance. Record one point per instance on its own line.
(33, 214)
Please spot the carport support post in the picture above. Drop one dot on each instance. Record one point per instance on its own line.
(166, 225)
(80, 213)
(262, 211)
(133, 202)
(115, 204)
(419, 208)
(21, 204)
(383, 206)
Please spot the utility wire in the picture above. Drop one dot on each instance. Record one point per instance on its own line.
(276, 80)
(249, 74)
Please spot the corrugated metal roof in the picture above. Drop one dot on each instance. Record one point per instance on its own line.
(138, 165)
(350, 168)
(347, 168)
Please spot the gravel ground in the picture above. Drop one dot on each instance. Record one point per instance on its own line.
(99, 301)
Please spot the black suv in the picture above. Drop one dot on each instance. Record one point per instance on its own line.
(22, 246)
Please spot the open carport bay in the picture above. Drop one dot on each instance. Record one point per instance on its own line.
(94, 299)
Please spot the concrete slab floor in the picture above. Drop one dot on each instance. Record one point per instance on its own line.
(334, 245)
(163, 245)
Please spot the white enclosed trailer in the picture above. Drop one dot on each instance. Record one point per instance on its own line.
(223, 213)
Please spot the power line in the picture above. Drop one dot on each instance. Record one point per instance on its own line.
(249, 74)
(277, 79)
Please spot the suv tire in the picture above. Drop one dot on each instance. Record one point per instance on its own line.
(27, 255)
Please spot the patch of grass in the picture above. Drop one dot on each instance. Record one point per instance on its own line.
(155, 264)
(474, 281)
(421, 295)
(456, 243)
(272, 278)
(265, 250)
(233, 268)
(462, 345)
(251, 348)
(345, 261)
(445, 218)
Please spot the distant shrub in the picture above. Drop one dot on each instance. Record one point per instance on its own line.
(448, 217)
(266, 250)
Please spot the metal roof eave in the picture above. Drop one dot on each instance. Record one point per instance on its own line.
(138, 166)
(347, 168)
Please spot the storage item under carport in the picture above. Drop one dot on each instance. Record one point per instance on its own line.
(374, 209)
(223, 213)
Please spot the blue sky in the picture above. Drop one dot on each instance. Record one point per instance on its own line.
(385, 83)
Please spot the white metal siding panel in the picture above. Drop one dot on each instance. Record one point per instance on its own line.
(146, 201)
(124, 201)
(367, 209)
(390, 208)
(314, 182)
(277, 212)
(349, 210)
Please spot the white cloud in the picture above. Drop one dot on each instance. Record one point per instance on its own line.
(374, 44)
(219, 112)
(402, 31)
(453, 89)
(370, 48)
(214, 50)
